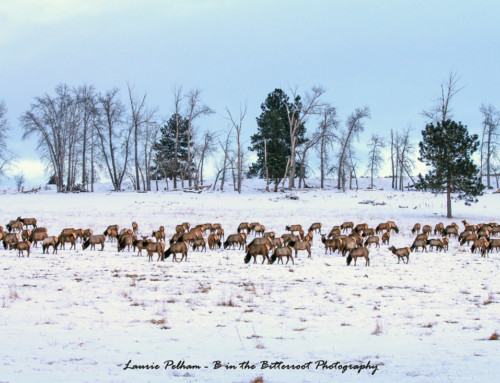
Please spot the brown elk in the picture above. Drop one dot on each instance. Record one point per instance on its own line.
(270, 234)
(301, 245)
(25, 234)
(315, 226)
(422, 236)
(494, 244)
(200, 243)
(27, 221)
(126, 240)
(470, 237)
(259, 230)
(175, 238)
(381, 227)
(436, 243)
(482, 245)
(135, 228)
(358, 253)
(450, 230)
(372, 240)
(259, 241)
(439, 228)
(47, 243)
(244, 226)
(369, 231)
(416, 228)
(348, 244)
(233, 240)
(79, 234)
(419, 243)
(177, 248)
(213, 241)
(254, 250)
(87, 233)
(140, 244)
(190, 237)
(111, 232)
(358, 238)
(155, 247)
(293, 228)
(10, 239)
(281, 252)
(445, 243)
(180, 229)
(277, 242)
(159, 235)
(401, 253)
(347, 225)
(67, 238)
(331, 244)
(287, 238)
(220, 233)
(426, 229)
(22, 247)
(335, 231)
(385, 238)
(14, 226)
(37, 236)
(360, 227)
(392, 226)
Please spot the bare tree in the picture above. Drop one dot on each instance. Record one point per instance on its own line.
(19, 180)
(403, 160)
(489, 144)
(194, 111)
(375, 159)
(222, 166)
(141, 116)
(302, 153)
(237, 124)
(442, 111)
(6, 155)
(354, 126)
(114, 136)
(178, 97)
(204, 150)
(327, 136)
(298, 114)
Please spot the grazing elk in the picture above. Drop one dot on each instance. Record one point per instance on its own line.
(369, 231)
(214, 241)
(293, 228)
(301, 245)
(381, 227)
(331, 244)
(244, 226)
(10, 239)
(37, 236)
(25, 234)
(200, 243)
(259, 230)
(436, 243)
(190, 237)
(427, 229)
(439, 228)
(22, 247)
(401, 253)
(281, 252)
(177, 248)
(392, 226)
(385, 238)
(348, 244)
(335, 231)
(358, 253)
(140, 244)
(419, 243)
(14, 226)
(111, 232)
(47, 243)
(233, 240)
(315, 226)
(360, 227)
(277, 242)
(416, 228)
(347, 225)
(372, 240)
(254, 250)
(126, 240)
(470, 237)
(494, 244)
(87, 233)
(482, 245)
(67, 238)
(450, 230)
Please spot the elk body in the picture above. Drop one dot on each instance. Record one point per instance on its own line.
(315, 227)
(233, 240)
(177, 248)
(281, 252)
(358, 253)
(373, 240)
(94, 240)
(300, 246)
(47, 243)
(255, 250)
(22, 247)
(401, 253)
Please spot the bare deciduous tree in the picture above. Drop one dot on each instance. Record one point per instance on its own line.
(442, 111)
(489, 142)
(375, 159)
(298, 114)
(6, 155)
(237, 124)
(328, 125)
(19, 180)
(203, 151)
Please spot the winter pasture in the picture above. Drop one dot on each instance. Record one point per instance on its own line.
(83, 315)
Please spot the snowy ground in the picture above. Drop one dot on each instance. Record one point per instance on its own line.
(82, 315)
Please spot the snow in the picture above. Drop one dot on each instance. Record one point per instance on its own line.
(82, 315)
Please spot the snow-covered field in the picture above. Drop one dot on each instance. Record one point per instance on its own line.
(83, 315)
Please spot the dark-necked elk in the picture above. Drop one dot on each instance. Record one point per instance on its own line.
(251, 227)
(244, 226)
(159, 235)
(22, 247)
(177, 248)
(347, 225)
(481, 244)
(358, 238)
(87, 233)
(293, 228)
(373, 240)
(140, 244)
(27, 221)
(67, 238)
(111, 232)
(47, 243)
(469, 237)
(94, 240)
(190, 237)
(369, 231)
(401, 253)
(37, 235)
(416, 228)
(426, 229)
(254, 250)
(360, 227)
(335, 231)
(494, 244)
(315, 226)
(214, 241)
(281, 252)
(79, 234)
(125, 241)
(392, 226)
(331, 244)
(436, 243)
(10, 239)
(419, 243)
(300, 246)
(439, 228)
(175, 237)
(200, 243)
(25, 234)
(156, 247)
(385, 238)
(14, 226)
(233, 240)
(381, 227)
(450, 230)
(358, 253)
(270, 234)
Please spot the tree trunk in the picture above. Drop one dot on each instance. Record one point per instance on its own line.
(322, 162)
(392, 159)
(265, 162)
(448, 200)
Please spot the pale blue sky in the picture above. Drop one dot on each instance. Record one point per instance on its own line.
(389, 55)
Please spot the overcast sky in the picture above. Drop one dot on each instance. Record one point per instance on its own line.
(389, 55)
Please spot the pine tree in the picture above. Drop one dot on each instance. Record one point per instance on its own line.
(166, 165)
(274, 129)
(447, 148)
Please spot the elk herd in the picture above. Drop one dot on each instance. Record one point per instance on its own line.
(349, 240)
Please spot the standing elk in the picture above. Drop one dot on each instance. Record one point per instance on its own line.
(385, 238)
(135, 228)
(10, 239)
(416, 228)
(315, 226)
(176, 248)
(347, 225)
(293, 228)
(358, 253)
(281, 252)
(67, 238)
(22, 247)
(401, 253)
(47, 243)
(27, 221)
(372, 240)
(439, 228)
(233, 240)
(37, 235)
(244, 226)
(301, 245)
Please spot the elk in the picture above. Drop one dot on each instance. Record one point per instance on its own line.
(47, 242)
(259, 241)
(331, 244)
(416, 228)
(27, 221)
(347, 225)
(277, 242)
(401, 253)
(450, 230)
(480, 244)
(357, 253)
(360, 227)
(368, 232)
(439, 228)
(385, 238)
(67, 238)
(270, 234)
(175, 238)
(381, 227)
(293, 228)
(287, 238)
(436, 243)
(259, 230)
(176, 248)
(87, 233)
(25, 234)
(244, 226)
(159, 235)
(190, 237)
(335, 231)
(10, 239)
(494, 244)
(79, 234)
(419, 243)
(281, 252)
(254, 250)
(468, 238)
(126, 240)
(371, 240)
(301, 245)
(37, 236)
(200, 243)
(14, 226)
(233, 240)
(135, 228)
(426, 229)
(315, 226)
(348, 244)
(392, 226)
(213, 241)
(220, 233)
(140, 244)
(22, 247)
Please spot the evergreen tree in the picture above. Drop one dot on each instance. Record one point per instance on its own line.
(166, 165)
(274, 129)
(447, 148)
